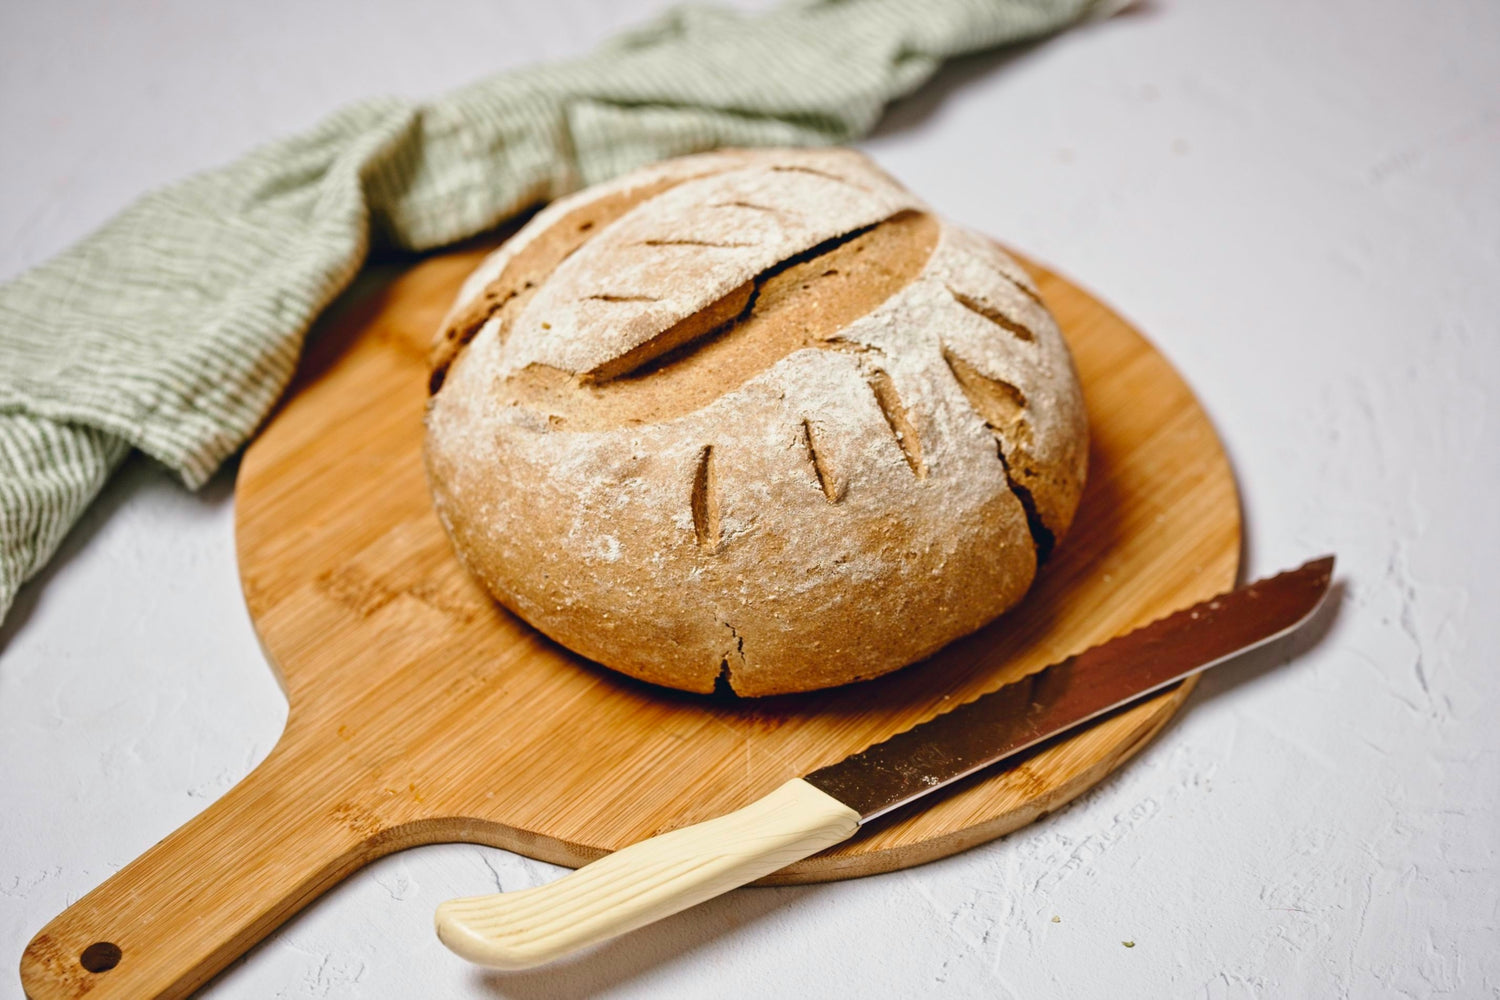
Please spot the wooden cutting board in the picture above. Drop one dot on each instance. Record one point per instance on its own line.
(422, 712)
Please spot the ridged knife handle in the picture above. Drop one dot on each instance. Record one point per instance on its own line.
(645, 881)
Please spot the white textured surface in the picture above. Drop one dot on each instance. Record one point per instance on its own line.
(1298, 202)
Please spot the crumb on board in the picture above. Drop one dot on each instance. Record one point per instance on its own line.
(1128, 944)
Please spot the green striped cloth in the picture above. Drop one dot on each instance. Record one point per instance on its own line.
(174, 328)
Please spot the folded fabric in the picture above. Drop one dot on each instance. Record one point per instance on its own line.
(175, 327)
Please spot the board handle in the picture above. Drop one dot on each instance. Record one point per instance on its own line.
(168, 921)
(645, 881)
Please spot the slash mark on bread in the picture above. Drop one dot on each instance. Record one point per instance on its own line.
(999, 404)
(747, 204)
(797, 168)
(899, 420)
(717, 244)
(1023, 289)
(832, 489)
(992, 314)
(705, 502)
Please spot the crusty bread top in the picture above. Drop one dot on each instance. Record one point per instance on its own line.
(676, 354)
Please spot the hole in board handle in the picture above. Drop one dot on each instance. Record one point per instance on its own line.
(101, 956)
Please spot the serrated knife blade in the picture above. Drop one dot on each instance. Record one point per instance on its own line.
(672, 871)
(1071, 692)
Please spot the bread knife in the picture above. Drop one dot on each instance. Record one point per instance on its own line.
(671, 872)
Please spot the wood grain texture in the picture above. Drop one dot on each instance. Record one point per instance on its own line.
(422, 712)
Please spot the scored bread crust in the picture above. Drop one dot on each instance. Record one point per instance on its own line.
(755, 421)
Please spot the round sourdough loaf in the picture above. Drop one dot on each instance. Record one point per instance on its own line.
(753, 421)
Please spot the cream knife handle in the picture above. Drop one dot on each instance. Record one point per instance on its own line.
(645, 881)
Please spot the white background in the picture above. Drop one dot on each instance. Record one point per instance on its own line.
(1298, 202)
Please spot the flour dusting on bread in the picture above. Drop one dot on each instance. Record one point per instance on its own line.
(754, 420)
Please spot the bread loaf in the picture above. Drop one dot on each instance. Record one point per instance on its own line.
(753, 421)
